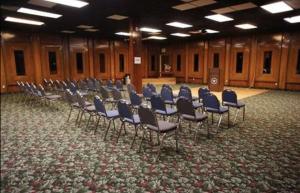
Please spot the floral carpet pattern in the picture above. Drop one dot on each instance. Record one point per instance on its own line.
(42, 152)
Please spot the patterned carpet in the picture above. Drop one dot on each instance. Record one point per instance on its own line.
(42, 152)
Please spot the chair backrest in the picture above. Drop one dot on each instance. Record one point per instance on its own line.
(99, 106)
(124, 110)
(135, 99)
(73, 88)
(90, 84)
(71, 98)
(130, 88)
(42, 90)
(104, 93)
(229, 96)
(147, 92)
(109, 84)
(116, 94)
(166, 86)
(152, 87)
(80, 100)
(211, 101)
(119, 84)
(166, 94)
(185, 93)
(185, 107)
(147, 117)
(157, 103)
(202, 91)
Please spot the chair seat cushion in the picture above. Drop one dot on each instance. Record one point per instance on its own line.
(90, 108)
(169, 111)
(197, 105)
(112, 114)
(198, 117)
(236, 105)
(135, 120)
(53, 97)
(221, 110)
(164, 126)
(169, 102)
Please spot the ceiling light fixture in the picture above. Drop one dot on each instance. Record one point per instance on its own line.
(277, 7)
(67, 31)
(295, 19)
(85, 26)
(157, 38)
(179, 24)
(219, 18)
(24, 21)
(39, 13)
(246, 26)
(123, 33)
(148, 29)
(180, 34)
(210, 31)
(91, 30)
(71, 3)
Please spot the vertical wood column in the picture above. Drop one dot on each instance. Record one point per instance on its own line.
(36, 52)
(112, 59)
(283, 61)
(2, 70)
(91, 57)
(66, 58)
(253, 59)
(227, 60)
(186, 75)
(135, 50)
(205, 65)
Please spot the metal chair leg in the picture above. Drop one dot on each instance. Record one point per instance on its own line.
(107, 129)
(142, 140)
(160, 146)
(97, 124)
(220, 119)
(88, 121)
(122, 125)
(135, 127)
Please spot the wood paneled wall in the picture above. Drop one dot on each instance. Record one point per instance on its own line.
(36, 48)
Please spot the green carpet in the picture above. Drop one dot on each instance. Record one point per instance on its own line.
(42, 152)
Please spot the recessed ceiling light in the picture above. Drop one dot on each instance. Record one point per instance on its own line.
(123, 33)
(180, 34)
(295, 19)
(39, 13)
(71, 3)
(151, 30)
(277, 7)
(157, 38)
(179, 24)
(85, 26)
(219, 18)
(24, 21)
(117, 17)
(210, 31)
(246, 26)
(67, 31)
(91, 30)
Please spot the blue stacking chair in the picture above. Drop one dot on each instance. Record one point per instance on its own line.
(109, 84)
(167, 95)
(185, 87)
(229, 99)
(212, 105)
(119, 85)
(135, 100)
(162, 128)
(187, 112)
(147, 93)
(159, 107)
(185, 93)
(152, 88)
(127, 116)
(102, 112)
(201, 92)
